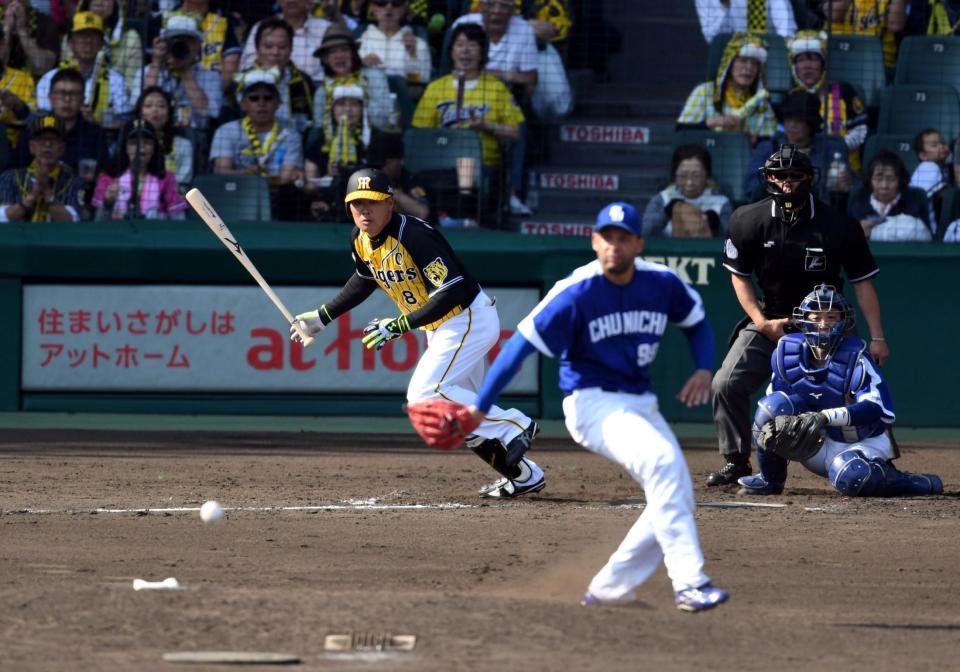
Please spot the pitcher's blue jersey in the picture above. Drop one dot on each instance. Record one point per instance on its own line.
(607, 335)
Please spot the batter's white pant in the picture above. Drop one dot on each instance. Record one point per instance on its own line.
(874, 446)
(453, 366)
(628, 429)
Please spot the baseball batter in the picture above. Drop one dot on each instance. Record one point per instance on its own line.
(605, 322)
(413, 263)
(824, 375)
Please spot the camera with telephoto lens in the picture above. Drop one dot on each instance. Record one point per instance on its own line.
(179, 48)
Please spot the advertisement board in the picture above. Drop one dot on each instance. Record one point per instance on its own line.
(180, 338)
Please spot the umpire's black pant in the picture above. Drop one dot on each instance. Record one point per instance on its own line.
(744, 370)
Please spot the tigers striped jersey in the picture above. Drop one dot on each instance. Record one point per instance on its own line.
(412, 262)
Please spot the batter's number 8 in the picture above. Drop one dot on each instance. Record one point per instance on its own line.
(409, 297)
(646, 352)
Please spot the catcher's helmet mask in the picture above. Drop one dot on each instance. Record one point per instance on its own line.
(823, 299)
(788, 165)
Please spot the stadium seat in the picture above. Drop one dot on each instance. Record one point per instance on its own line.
(950, 210)
(436, 148)
(901, 145)
(906, 109)
(927, 59)
(236, 197)
(779, 77)
(730, 153)
(858, 60)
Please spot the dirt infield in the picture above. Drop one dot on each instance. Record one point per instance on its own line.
(392, 539)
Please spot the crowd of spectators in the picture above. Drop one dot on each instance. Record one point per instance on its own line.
(112, 107)
(825, 116)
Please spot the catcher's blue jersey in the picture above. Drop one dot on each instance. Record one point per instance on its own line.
(607, 335)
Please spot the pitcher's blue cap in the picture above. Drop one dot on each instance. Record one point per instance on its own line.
(622, 215)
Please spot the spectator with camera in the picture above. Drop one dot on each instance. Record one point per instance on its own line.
(307, 36)
(32, 40)
(105, 99)
(340, 56)
(274, 39)
(45, 190)
(220, 51)
(176, 68)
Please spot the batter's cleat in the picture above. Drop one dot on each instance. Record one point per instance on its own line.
(589, 600)
(531, 479)
(729, 473)
(700, 598)
(518, 447)
(758, 485)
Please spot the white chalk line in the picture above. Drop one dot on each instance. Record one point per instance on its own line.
(358, 505)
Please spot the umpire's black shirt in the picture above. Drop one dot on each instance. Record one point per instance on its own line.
(790, 260)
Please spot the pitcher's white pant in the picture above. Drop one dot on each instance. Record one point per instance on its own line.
(452, 367)
(628, 429)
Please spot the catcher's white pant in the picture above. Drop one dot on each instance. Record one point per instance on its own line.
(628, 429)
(453, 366)
(874, 446)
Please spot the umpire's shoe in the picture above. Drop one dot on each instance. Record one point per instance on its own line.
(530, 479)
(729, 473)
(700, 598)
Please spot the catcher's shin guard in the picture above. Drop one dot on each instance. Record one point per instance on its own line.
(773, 468)
(855, 475)
(495, 454)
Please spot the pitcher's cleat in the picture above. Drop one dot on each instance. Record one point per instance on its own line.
(530, 479)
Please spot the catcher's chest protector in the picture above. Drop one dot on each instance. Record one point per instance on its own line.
(817, 389)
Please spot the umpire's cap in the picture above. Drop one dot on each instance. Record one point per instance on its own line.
(370, 184)
(621, 215)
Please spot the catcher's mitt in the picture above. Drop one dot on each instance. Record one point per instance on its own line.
(442, 424)
(795, 437)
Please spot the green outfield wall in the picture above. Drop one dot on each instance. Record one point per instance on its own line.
(917, 286)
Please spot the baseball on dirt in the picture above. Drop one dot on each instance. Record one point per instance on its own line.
(211, 512)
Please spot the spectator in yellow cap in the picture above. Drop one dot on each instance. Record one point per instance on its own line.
(105, 99)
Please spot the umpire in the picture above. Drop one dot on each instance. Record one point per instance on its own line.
(792, 242)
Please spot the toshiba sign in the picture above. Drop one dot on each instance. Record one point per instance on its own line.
(637, 135)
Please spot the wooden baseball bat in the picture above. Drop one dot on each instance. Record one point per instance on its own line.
(220, 230)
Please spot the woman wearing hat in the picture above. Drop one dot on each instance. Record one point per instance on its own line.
(802, 125)
(340, 56)
(737, 100)
(142, 173)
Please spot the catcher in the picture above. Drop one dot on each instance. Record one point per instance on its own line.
(828, 408)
